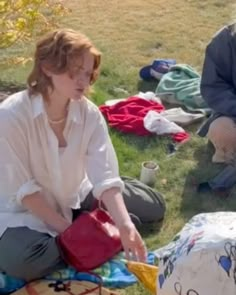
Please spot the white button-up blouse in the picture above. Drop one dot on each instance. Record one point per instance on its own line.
(31, 160)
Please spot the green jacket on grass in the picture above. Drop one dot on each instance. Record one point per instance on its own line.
(181, 86)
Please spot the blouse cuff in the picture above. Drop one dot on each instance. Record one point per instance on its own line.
(27, 188)
(107, 184)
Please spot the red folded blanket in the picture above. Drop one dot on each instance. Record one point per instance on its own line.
(127, 116)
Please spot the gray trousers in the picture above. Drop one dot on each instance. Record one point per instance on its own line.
(30, 255)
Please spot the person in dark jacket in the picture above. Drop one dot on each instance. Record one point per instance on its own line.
(218, 88)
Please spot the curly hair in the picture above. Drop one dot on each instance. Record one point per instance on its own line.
(56, 52)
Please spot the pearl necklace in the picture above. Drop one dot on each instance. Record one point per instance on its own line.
(54, 122)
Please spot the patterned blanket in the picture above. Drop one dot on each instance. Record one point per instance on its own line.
(114, 274)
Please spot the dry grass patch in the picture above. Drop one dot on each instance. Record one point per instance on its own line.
(136, 31)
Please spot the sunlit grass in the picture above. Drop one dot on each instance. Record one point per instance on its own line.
(131, 34)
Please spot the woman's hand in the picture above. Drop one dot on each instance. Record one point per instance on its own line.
(38, 206)
(132, 242)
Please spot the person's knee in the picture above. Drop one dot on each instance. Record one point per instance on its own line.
(36, 258)
(28, 269)
(17, 268)
(222, 131)
(153, 211)
(222, 134)
(158, 209)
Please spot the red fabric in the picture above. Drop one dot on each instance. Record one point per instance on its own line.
(90, 241)
(127, 116)
(180, 137)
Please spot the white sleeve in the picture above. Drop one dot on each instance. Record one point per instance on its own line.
(102, 165)
(16, 180)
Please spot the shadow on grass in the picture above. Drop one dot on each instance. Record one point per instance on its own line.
(147, 85)
(149, 229)
(194, 202)
(142, 143)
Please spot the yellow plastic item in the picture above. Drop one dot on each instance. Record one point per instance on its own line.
(147, 274)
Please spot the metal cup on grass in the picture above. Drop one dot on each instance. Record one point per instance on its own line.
(149, 170)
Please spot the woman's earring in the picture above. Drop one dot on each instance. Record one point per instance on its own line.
(34, 83)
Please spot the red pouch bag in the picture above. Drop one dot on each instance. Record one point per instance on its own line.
(90, 241)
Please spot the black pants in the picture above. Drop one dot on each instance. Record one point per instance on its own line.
(142, 202)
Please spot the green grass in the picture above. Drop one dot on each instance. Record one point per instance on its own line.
(131, 34)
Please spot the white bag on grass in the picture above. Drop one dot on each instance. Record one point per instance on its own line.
(201, 259)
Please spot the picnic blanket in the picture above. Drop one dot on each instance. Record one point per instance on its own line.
(42, 287)
(114, 274)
